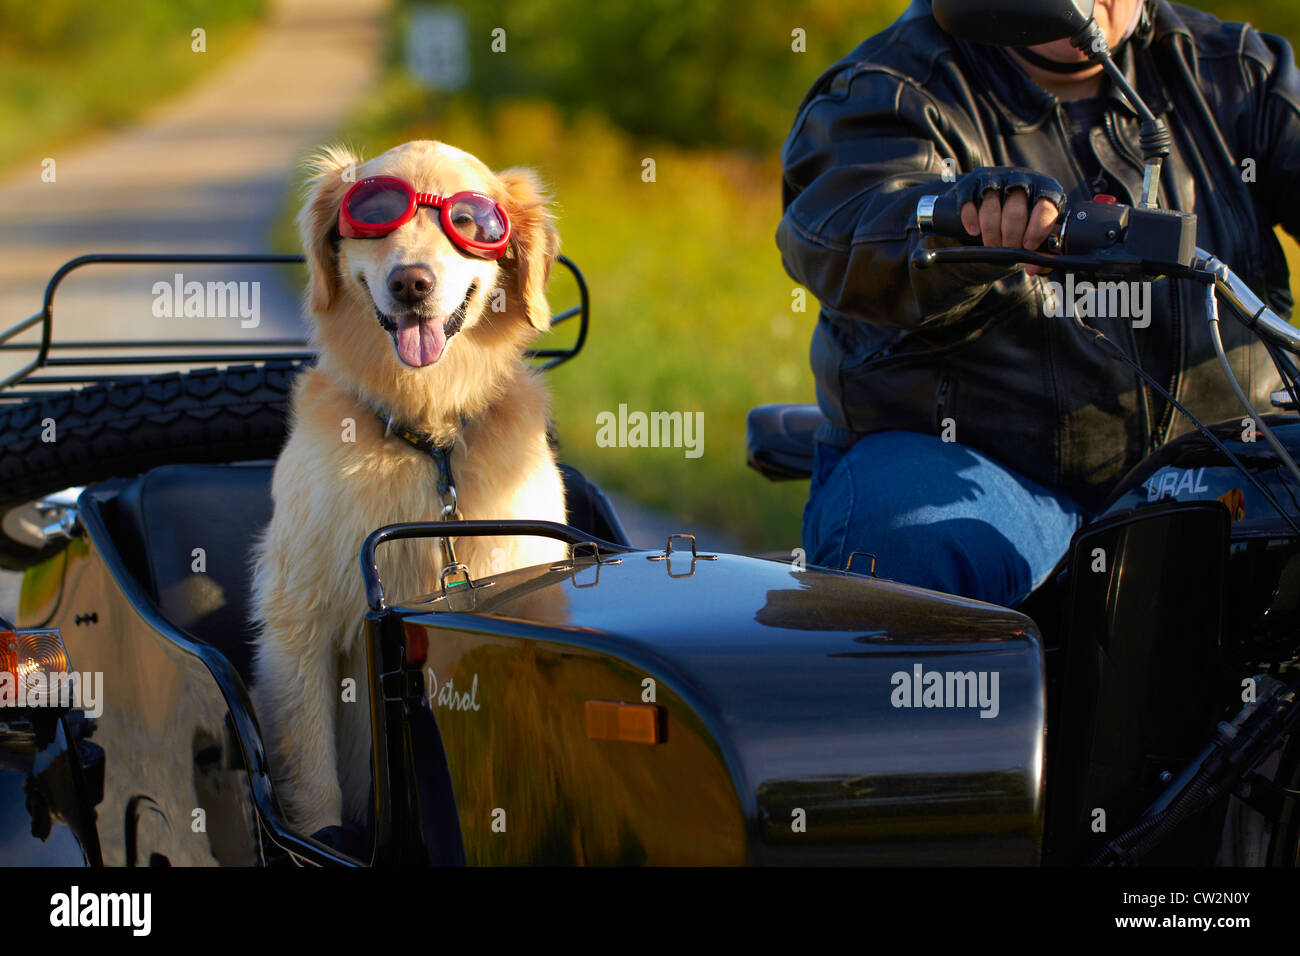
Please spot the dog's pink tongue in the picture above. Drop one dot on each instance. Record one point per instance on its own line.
(419, 343)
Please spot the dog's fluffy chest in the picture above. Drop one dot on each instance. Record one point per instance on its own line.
(394, 482)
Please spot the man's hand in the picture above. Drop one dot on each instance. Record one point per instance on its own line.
(1003, 216)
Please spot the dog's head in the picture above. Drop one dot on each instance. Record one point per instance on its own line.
(403, 303)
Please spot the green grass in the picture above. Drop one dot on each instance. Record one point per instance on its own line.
(69, 68)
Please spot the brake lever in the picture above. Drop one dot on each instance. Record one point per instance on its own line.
(1107, 266)
(923, 258)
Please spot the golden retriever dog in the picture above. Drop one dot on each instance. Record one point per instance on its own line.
(418, 326)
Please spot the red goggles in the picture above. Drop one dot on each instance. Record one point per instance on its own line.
(376, 206)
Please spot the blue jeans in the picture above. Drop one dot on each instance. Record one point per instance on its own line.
(936, 514)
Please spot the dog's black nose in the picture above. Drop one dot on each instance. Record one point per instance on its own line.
(410, 285)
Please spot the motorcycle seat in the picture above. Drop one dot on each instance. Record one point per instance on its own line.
(169, 512)
(779, 440)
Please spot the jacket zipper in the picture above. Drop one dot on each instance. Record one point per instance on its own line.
(1148, 439)
(1175, 317)
(942, 396)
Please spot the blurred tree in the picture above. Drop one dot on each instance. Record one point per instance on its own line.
(696, 72)
(69, 26)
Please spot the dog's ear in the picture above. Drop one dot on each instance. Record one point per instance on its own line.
(332, 172)
(534, 244)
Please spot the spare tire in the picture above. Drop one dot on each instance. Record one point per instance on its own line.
(124, 428)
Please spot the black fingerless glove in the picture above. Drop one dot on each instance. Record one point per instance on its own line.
(972, 186)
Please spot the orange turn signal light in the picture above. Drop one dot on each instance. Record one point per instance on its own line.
(627, 723)
(28, 659)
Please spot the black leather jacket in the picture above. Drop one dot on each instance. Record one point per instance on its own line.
(900, 348)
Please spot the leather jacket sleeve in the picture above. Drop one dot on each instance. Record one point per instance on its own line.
(1275, 137)
(866, 145)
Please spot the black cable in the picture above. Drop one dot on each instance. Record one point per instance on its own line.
(1286, 370)
(1099, 338)
(1216, 338)
(1290, 380)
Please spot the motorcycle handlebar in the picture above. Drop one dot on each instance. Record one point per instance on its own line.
(941, 216)
(1112, 240)
(1089, 228)
(1256, 314)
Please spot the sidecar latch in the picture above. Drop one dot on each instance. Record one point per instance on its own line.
(848, 567)
(669, 551)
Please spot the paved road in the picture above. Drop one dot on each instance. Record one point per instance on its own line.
(207, 171)
(650, 529)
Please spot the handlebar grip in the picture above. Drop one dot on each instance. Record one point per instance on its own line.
(941, 216)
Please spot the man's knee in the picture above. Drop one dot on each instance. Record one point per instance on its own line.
(960, 555)
(869, 499)
(922, 508)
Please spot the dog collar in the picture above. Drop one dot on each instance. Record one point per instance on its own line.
(423, 442)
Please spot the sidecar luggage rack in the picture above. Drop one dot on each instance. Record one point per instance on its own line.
(93, 365)
(571, 536)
